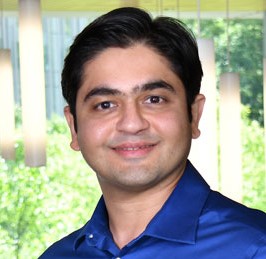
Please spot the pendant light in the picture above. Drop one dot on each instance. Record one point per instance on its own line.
(204, 152)
(32, 82)
(230, 131)
(7, 114)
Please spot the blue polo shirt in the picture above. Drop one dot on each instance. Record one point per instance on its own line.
(195, 222)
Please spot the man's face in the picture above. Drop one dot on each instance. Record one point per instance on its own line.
(132, 119)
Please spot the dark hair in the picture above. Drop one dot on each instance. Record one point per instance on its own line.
(124, 27)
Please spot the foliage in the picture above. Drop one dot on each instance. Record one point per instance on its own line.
(253, 163)
(244, 44)
(239, 51)
(40, 205)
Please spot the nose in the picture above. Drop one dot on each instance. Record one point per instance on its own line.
(132, 120)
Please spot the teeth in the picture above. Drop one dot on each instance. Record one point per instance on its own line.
(133, 148)
(130, 148)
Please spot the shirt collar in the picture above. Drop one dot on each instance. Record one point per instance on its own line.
(176, 221)
(98, 223)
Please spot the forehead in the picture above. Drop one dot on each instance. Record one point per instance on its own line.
(127, 68)
(135, 54)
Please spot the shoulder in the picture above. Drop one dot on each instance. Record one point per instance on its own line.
(62, 247)
(232, 214)
(233, 225)
(228, 210)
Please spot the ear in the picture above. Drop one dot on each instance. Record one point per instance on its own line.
(70, 121)
(196, 111)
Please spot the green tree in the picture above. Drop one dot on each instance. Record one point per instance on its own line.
(253, 162)
(244, 43)
(40, 205)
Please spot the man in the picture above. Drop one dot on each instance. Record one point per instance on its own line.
(132, 86)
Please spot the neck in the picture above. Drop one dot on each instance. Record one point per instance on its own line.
(130, 213)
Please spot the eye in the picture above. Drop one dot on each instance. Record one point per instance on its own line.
(104, 105)
(154, 99)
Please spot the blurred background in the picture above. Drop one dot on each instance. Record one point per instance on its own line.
(46, 189)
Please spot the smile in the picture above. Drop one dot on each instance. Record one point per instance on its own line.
(135, 148)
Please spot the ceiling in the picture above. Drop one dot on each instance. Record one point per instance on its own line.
(104, 5)
(212, 8)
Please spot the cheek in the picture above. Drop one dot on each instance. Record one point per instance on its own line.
(93, 133)
(172, 125)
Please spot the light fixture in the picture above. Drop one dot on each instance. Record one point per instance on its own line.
(126, 3)
(177, 9)
(7, 117)
(32, 82)
(204, 152)
(159, 7)
(230, 137)
(7, 114)
(230, 133)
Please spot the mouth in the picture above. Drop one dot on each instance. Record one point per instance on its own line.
(134, 150)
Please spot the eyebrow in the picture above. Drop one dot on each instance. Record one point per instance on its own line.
(102, 91)
(153, 85)
(149, 86)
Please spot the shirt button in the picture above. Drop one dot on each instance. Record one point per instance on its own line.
(91, 236)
